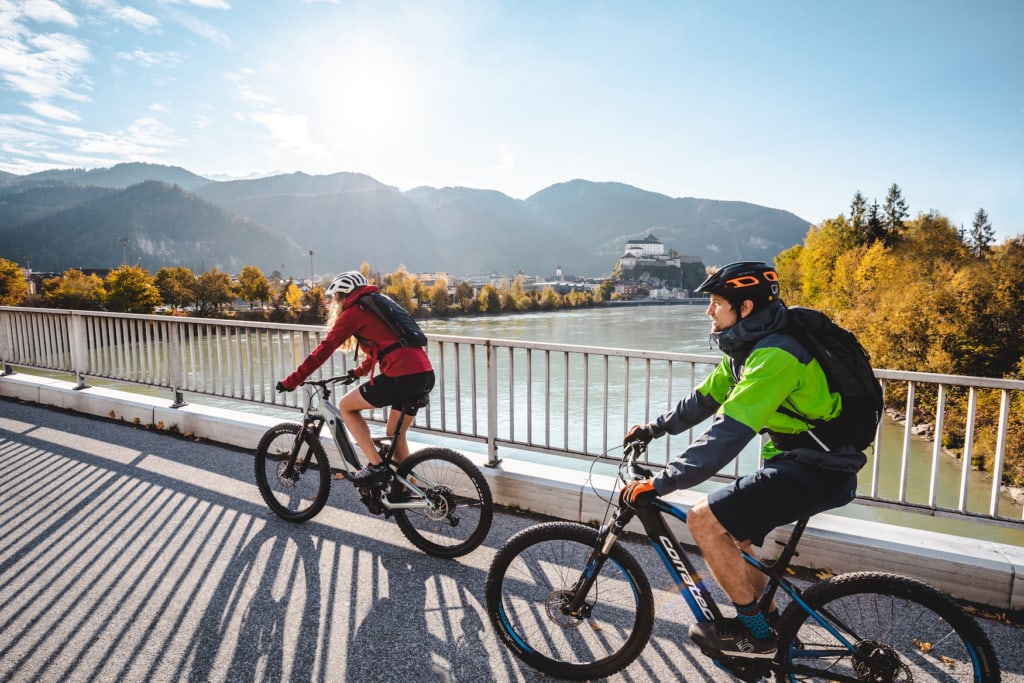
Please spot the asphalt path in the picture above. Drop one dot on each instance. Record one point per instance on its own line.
(127, 554)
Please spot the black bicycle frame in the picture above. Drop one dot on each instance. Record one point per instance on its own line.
(688, 581)
(694, 590)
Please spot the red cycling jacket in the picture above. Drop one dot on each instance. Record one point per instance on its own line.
(373, 335)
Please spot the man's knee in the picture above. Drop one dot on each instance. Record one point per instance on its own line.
(701, 521)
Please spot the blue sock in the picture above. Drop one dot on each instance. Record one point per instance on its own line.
(754, 620)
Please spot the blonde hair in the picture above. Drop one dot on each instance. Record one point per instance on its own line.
(333, 311)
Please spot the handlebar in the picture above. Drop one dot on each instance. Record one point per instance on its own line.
(323, 386)
(330, 381)
(632, 451)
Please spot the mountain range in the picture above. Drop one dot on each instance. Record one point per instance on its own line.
(158, 216)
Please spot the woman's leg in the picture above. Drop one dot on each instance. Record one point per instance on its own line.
(351, 405)
(401, 444)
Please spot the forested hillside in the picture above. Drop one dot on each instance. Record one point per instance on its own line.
(923, 295)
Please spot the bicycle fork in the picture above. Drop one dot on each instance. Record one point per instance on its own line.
(577, 606)
(293, 469)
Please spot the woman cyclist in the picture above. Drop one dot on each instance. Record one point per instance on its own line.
(405, 371)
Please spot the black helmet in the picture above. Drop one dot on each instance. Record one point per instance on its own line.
(743, 280)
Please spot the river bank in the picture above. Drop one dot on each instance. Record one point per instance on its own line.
(925, 432)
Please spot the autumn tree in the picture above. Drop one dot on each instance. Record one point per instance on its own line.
(923, 302)
(549, 299)
(74, 290)
(13, 288)
(177, 286)
(402, 288)
(315, 301)
(293, 299)
(213, 291)
(130, 289)
(438, 296)
(517, 298)
(252, 286)
(464, 297)
(488, 299)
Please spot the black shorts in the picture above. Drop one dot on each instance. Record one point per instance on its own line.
(395, 391)
(781, 492)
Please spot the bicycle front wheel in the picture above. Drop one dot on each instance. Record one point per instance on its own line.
(530, 583)
(295, 490)
(895, 629)
(459, 507)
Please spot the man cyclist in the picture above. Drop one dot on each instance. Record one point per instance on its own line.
(763, 369)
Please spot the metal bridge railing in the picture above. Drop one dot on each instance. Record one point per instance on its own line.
(573, 401)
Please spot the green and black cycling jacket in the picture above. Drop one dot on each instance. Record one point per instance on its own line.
(763, 369)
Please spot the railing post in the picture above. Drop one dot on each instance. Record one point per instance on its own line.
(79, 355)
(6, 344)
(173, 332)
(492, 405)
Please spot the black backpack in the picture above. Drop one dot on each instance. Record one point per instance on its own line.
(848, 370)
(400, 322)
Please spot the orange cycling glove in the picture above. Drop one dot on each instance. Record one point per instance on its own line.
(637, 493)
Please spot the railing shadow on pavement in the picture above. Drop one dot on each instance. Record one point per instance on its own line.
(128, 558)
(126, 554)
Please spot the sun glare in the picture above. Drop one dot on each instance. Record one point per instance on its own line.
(368, 93)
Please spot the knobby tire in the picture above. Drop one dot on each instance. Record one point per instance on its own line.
(530, 579)
(294, 498)
(904, 630)
(461, 507)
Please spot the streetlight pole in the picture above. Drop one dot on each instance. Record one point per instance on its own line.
(124, 249)
(311, 275)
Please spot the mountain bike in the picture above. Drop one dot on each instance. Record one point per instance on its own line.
(570, 601)
(439, 498)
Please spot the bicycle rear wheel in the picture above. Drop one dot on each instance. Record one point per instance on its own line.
(529, 584)
(295, 492)
(901, 630)
(460, 508)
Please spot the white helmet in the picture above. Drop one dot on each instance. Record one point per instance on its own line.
(346, 283)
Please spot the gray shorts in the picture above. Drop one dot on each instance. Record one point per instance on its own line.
(783, 491)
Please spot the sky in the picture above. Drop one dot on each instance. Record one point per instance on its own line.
(790, 104)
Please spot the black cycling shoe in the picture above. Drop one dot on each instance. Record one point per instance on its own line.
(730, 638)
(369, 473)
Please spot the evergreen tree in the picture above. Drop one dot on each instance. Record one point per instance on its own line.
(982, 235)
(859, 218)
(894, 215)
(875, 227)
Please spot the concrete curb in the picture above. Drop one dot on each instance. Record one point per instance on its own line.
(987, 573)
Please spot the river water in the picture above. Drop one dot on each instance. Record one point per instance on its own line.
(684, 329)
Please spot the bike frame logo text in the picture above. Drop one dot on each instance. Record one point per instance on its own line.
(691, 586)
